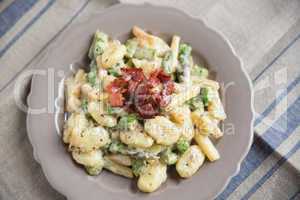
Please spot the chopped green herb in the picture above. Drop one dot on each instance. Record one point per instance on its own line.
(182, 145)
(116, 147)
(92, 75)
(99, 48)
(169, 157)
(127, 122)
(137, 166)
(84, 105)
(204, 96)
(184, 54)
(98, 45)
(113, 72)
(195, 103)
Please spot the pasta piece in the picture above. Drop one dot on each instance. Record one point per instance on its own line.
(207, 147)
(136, 138)
(190, 162)
(117, 169)
(80, 76)
(93, 161)
(177, 116)
(181, 98)
(206, 125)
(215, 107)
(112, 54)
(151, 41)
(86, 89)
(90, 159)
(203, 122)
(96, 109)
(120, 159)
(152, 176)
(145, 53)
(187, 129)
(73, 104)
(76, 124)
(147, 66)
(206, 83)
(179, 87)
(72, 95)
(175, 49)
(90, 139)
(217, 133)
(68, 128)
(131, 46)
(73, 83)
(182, 116)
(162, 130)
(93, 94)
(98, 45)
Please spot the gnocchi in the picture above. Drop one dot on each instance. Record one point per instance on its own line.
(190, 162)
(143, 106)
(96, 110)
(136, 138)
(112, 54)
(154, 174)
(90, 139)
(162, 130)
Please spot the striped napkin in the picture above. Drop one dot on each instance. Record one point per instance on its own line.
(266, 36)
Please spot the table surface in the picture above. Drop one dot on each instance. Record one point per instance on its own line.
(265, 34)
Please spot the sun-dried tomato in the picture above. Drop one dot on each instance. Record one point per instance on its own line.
(147, 110)
(137, 94)
(116, 86)
(116, 99)
(134, 74)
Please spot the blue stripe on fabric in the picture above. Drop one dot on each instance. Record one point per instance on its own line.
(269, 109)
(295, 195)
(263, 179)
(288, 122)
(19, 34)
(11, 14)
(261, 150)
(276, 58)
(45, 46)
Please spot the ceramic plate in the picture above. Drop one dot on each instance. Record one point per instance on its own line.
(71, 47)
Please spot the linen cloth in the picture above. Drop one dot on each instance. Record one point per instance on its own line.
(265, 35)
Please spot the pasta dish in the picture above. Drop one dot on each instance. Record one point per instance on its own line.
(142, 107)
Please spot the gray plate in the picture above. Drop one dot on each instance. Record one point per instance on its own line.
(71, 46)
